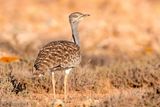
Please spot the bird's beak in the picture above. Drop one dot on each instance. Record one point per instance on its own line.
(86, 15)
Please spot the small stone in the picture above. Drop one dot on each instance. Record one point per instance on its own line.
(57, 103)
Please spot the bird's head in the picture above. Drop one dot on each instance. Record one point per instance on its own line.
(76, 17)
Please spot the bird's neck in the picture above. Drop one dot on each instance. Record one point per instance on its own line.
(75, 36)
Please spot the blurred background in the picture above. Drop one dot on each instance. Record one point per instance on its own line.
(121, 31)
(116, 28)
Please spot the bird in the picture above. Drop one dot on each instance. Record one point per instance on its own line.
(61, 55)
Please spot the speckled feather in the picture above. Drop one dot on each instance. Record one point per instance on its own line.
(58, 55)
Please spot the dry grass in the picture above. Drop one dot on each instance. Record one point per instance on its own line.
(119, 84)
(119, 42)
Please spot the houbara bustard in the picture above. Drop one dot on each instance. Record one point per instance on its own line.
(61, 55)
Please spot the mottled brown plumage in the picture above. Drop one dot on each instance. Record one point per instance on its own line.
(58, 56)
(61, 55)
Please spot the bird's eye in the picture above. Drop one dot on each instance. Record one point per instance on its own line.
(74, 16)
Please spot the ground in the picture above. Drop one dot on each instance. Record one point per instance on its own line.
(119, 45)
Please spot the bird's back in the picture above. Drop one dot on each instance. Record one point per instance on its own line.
(58, 55)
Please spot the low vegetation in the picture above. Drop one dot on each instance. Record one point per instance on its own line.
(133, 83)
(119, 42)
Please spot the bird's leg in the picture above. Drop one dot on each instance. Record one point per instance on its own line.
(53, 84)
(65, 87)
(65, 84)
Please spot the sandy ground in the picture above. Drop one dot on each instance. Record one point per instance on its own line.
(119, 45)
